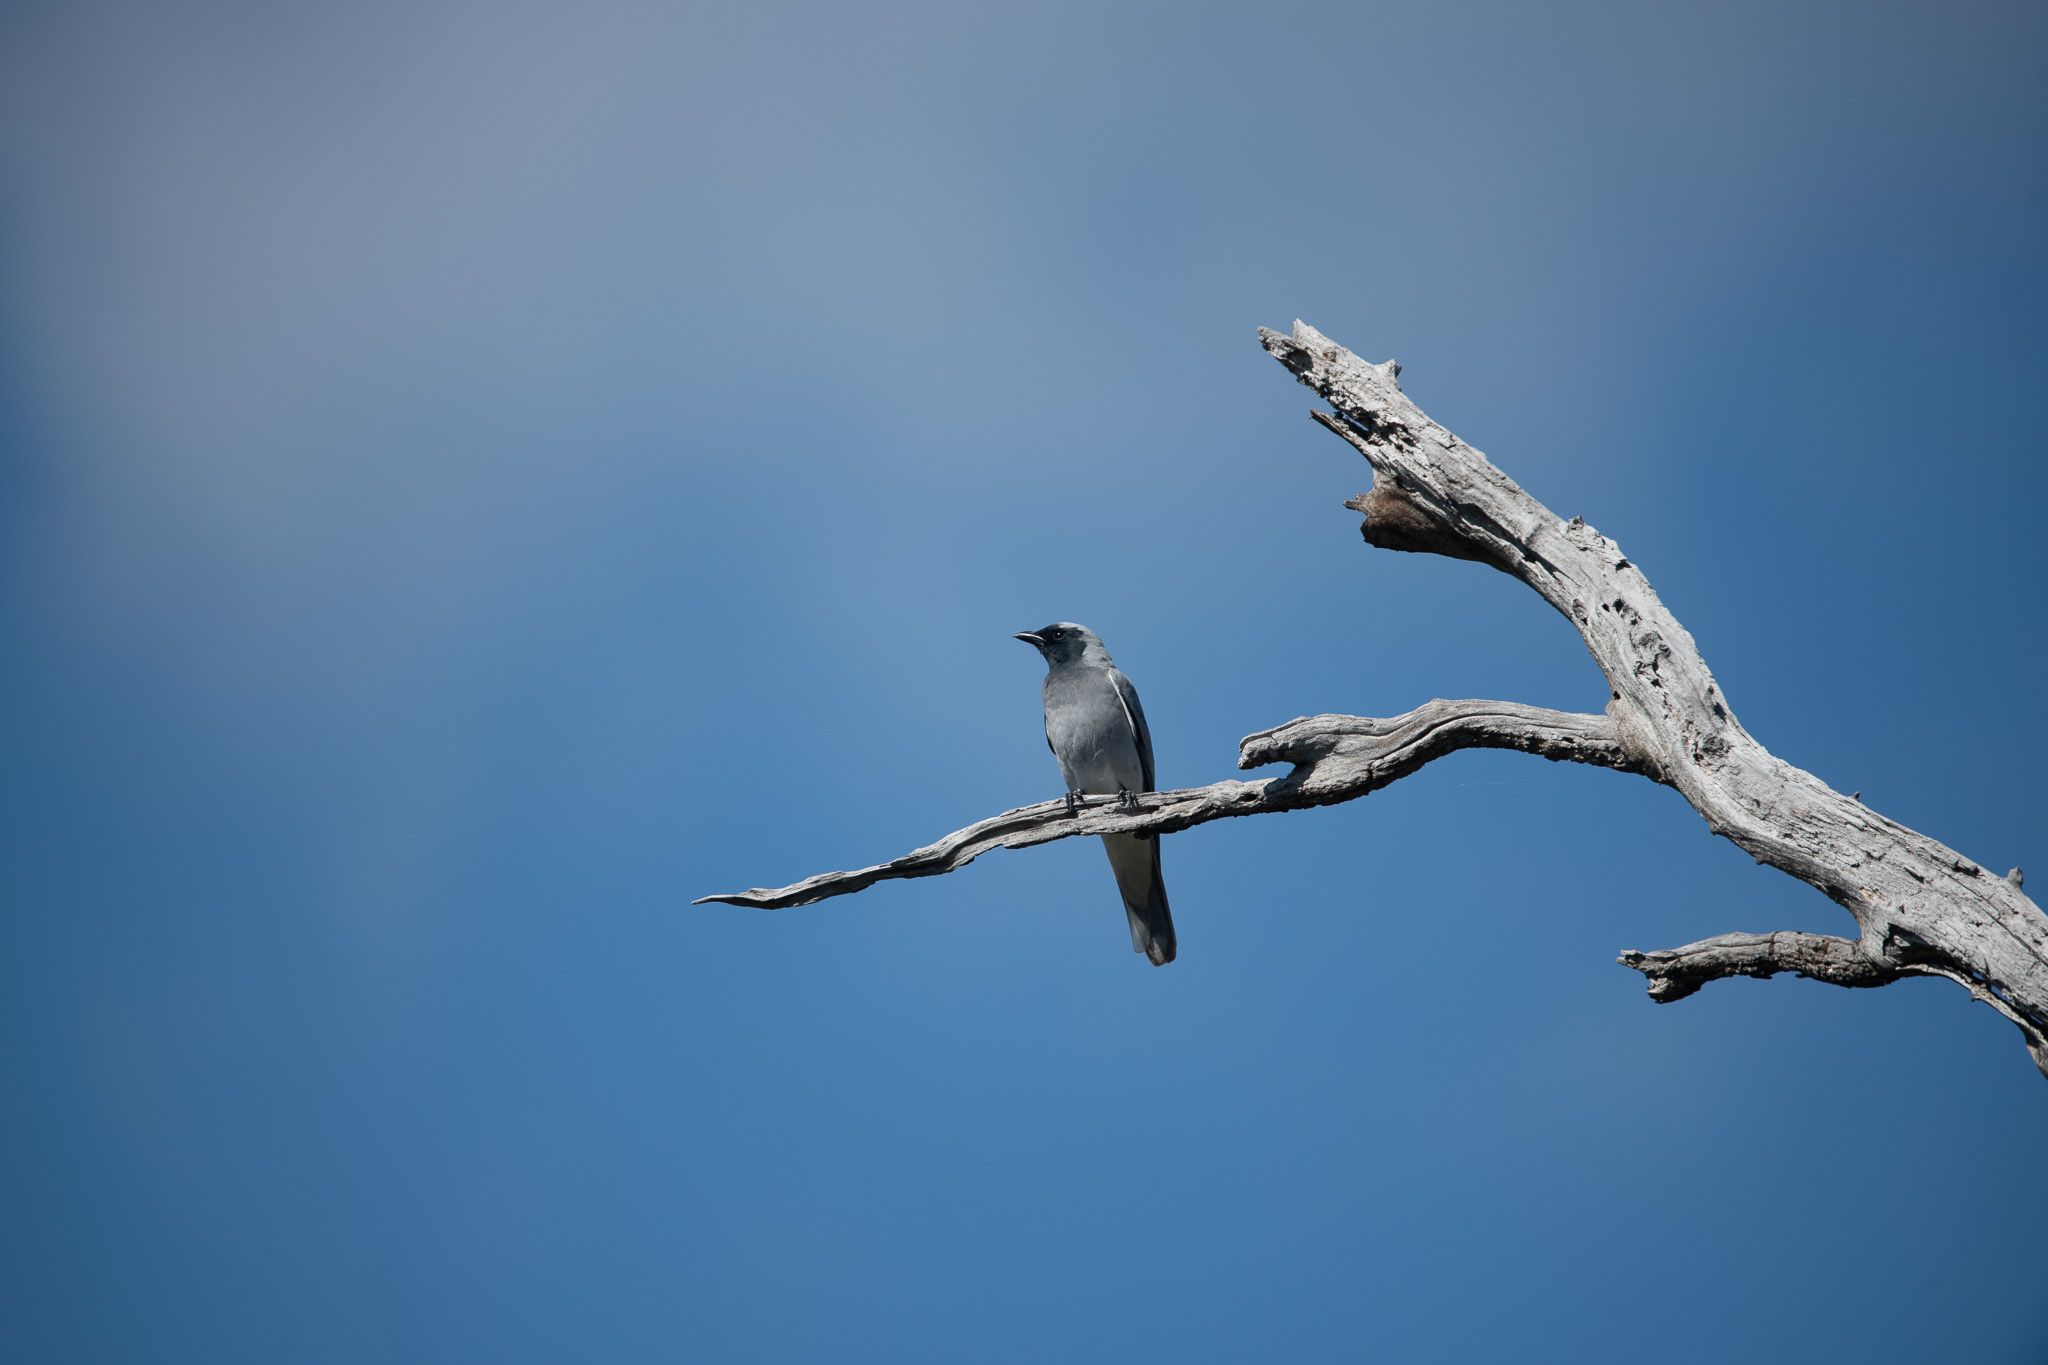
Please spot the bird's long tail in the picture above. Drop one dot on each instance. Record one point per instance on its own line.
(1135, 861)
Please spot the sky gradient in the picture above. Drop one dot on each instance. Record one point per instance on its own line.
(473, 478)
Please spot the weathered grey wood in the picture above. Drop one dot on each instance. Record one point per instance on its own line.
(1921, 908)
(1675, 973)
(1335, 758)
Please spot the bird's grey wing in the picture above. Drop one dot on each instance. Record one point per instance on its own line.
(1135, 714)
(1046, 691)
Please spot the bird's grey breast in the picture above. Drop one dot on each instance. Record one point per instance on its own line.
(1091, 732)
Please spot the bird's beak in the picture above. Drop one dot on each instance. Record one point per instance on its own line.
(1036, 642)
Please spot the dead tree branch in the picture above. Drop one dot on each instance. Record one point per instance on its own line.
(1335, 758)
(1675, 973)
(1921, 908)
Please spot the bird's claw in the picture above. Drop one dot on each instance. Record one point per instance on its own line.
(1073, 803)
(1126, 799)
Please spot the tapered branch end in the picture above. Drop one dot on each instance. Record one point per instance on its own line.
(758, 899)
(1303, 348)
(1292, 351)
(1664, 981)
(1307, 740)
(1675, 973)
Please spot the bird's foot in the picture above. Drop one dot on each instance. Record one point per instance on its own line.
(1126, 799)
(1073, 803)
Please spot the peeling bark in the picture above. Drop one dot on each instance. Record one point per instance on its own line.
(1921, 908)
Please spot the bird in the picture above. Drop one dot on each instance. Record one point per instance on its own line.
(1096, 729)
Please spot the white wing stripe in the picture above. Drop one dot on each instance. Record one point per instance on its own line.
(1129, 719)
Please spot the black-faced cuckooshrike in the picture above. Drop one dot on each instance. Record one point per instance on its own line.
(1097, 731)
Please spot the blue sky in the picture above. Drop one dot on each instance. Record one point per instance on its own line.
(477, 477)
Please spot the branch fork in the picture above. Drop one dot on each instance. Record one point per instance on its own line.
(1921, 908)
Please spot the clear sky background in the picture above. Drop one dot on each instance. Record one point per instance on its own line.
(476, 477)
